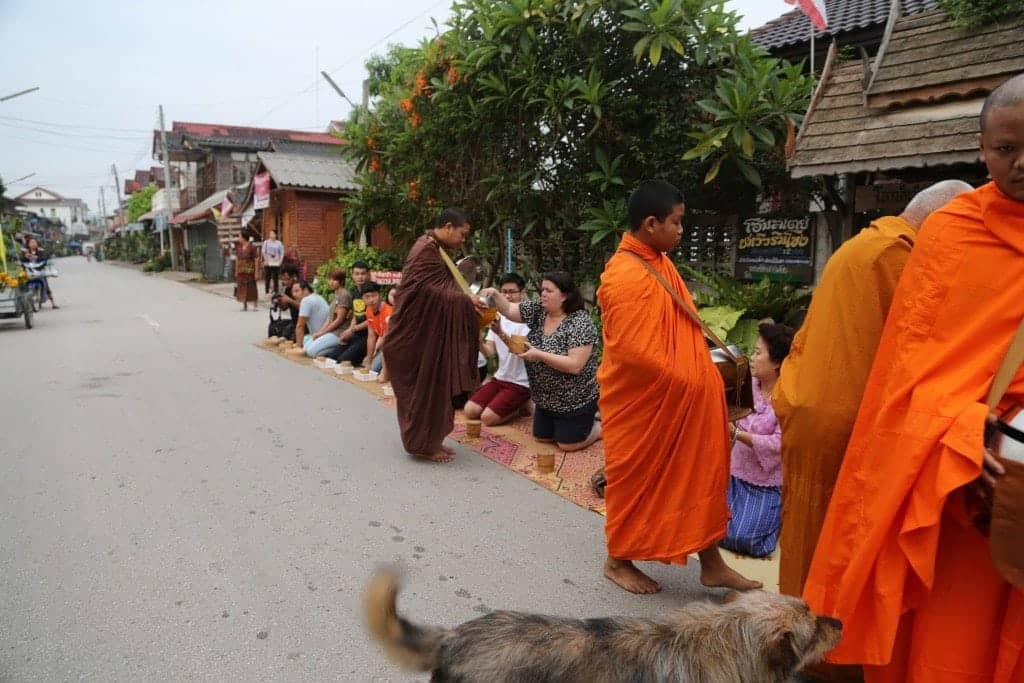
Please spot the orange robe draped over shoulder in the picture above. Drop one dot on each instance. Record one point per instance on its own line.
(822, 381)
(899, 560)
(663, 413)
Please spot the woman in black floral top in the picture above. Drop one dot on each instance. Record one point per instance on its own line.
(560, 362)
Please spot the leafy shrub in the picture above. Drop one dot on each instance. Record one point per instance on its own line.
(972, 14)
(732, 309)
(158, 263)
(197, 259)
(346, 254)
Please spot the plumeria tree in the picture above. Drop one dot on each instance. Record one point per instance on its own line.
(541, 115)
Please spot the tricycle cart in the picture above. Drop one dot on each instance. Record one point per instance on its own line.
(16, 302)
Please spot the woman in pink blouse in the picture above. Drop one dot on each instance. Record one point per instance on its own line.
(755, 487)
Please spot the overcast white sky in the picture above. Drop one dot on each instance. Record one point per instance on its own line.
(104, 66)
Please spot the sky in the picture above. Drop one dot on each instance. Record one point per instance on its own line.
(104, 66)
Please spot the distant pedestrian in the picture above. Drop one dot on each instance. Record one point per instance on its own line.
(273, 256)
(245, 273)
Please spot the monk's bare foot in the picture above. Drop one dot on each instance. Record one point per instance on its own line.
(715, 573)
(728, 578)
(626, 576)
(437, 456)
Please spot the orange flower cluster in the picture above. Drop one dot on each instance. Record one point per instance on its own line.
(453, 76)
(406, 105)
(415, 120)
(414, 190)
(375, 165)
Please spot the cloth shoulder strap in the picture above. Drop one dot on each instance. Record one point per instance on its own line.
(1012, 362)
(455, 271)
(684, 306)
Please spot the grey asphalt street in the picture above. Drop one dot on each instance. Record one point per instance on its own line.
(179, 504)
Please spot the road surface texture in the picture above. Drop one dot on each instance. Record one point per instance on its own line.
(179, 504)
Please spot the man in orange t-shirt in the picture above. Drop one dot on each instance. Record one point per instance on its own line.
(377, 314)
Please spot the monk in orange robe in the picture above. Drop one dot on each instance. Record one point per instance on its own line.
(822, 380)
(900, 560)
(663, 409)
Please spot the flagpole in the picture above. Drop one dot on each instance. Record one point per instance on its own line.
(812, 48)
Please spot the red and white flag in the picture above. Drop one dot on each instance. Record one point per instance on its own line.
(815, 11)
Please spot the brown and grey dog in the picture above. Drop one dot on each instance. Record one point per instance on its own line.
(757, 637)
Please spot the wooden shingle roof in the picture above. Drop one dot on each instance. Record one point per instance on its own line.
(841, 135)
(927, 58)
(917, 105)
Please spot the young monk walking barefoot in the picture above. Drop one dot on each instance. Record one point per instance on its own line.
(663, 410)
(431, 345)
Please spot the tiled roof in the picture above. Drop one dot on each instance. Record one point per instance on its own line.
(927, 58)
(844, 16)
(316, 171)
(841, 135)
(184, 134)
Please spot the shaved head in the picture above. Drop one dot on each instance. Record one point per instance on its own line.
(1002, 137)
(931, 199)
(1008, 94)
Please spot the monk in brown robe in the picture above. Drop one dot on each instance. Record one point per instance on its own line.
(663, 410)
(900, 560)
(822, 380)
(432, 341)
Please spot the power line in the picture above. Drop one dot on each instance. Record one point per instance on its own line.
(74, 125)
(67, 133)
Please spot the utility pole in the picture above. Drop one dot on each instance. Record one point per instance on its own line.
(103, 211)
(169, 187)
(120, 201)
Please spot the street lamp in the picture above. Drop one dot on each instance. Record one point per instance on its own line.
(18, 94)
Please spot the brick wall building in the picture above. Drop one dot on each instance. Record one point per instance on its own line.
(306, 207)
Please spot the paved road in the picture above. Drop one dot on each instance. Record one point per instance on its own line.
(178, 504)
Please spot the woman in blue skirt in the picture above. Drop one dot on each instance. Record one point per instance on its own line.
(755, 487)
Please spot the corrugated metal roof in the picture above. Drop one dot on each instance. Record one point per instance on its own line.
(842, 135)
(844, 16)
(318, 171)
(928, 58)
(202, 209)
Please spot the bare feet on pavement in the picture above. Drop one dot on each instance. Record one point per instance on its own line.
(437, 456)
(626, 576)
(715, 573)
(448, 449)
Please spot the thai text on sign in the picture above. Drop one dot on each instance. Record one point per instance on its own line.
(386, 277)
(776, 246)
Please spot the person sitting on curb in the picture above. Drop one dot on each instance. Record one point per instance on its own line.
(313, 312)
(354, 338)
(327, 338)
(505, 396)
(284, 301)
(377, 315)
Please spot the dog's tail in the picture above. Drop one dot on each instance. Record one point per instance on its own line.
(408, 645)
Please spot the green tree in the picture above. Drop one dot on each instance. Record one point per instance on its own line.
(540, 115)
(971, 14)
(141, 202)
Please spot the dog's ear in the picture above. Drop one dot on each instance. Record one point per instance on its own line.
(781, 654)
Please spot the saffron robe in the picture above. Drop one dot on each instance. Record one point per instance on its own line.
(431, 349)
(663, 415)
(822, 380)
(899, 561)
